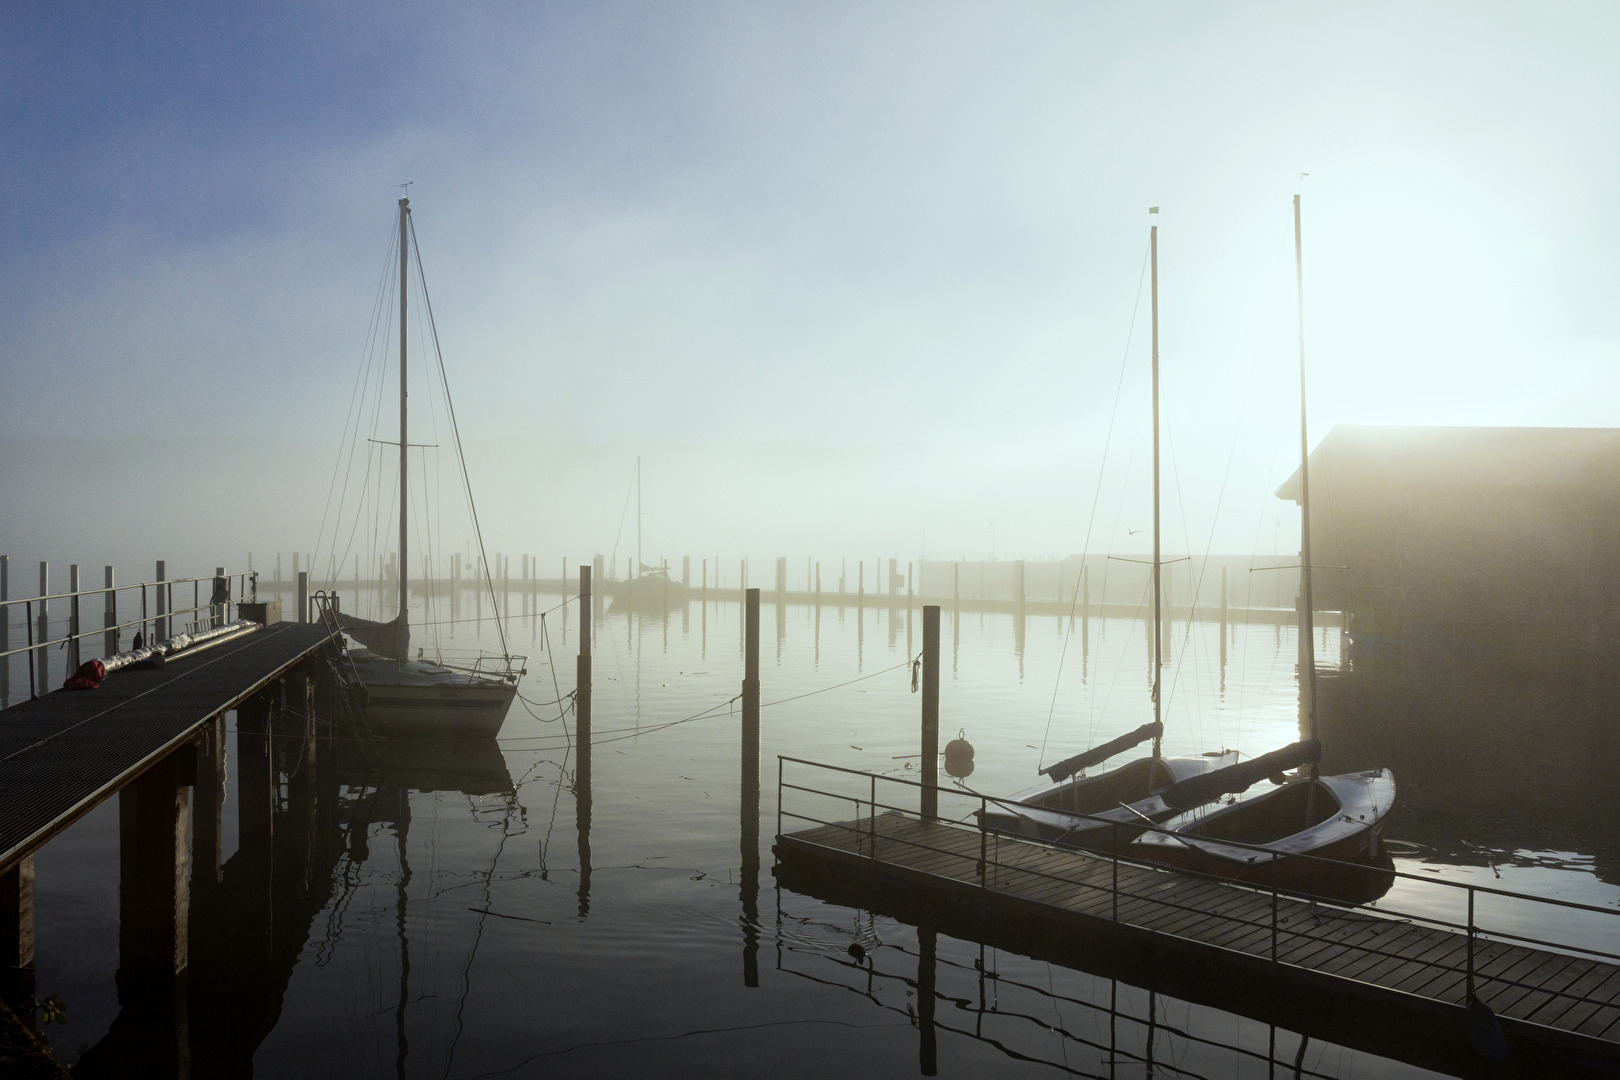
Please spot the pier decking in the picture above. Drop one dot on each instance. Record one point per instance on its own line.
(1377, 973)
(62, 753)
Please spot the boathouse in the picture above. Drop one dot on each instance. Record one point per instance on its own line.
(1494, 542)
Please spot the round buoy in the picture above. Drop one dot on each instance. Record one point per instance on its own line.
(959, 757)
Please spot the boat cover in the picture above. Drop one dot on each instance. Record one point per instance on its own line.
(1198, 790)
(389, 639)
(1069, 766)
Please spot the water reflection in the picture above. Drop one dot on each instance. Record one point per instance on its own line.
(1027, 1011)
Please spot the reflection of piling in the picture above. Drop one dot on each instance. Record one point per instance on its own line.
(582, 732)
(1223, 628)
(750, 793)
(927, 948)
(956, 585)
(930, 713)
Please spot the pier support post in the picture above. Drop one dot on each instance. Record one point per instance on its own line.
(109, 618)
(17, 938)
(930, 713)
(303, 596)
(255, 772)
(153, 945)
(750, 792)
(208, 807)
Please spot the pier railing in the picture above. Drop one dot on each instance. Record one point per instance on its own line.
(214, 597)
(1484, 922)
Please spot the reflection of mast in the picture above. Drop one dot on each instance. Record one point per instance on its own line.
(582, 729)
(402, 826)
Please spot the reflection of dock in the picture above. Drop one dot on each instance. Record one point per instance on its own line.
(1390, 986)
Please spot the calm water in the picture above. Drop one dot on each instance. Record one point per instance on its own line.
(444, 922)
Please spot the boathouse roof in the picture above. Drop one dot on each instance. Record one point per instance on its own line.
(1417, 458)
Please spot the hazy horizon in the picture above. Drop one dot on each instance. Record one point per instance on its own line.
(847, 277)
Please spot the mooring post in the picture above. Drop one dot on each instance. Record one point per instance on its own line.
(42, 656)
(860, 584)
(17, 937)
(109, 617)
(582, 732)
(750, 792)
(781, 580)
(73, 618)
(303, 596)
(818, 583)
(160, 630)
(930, 713)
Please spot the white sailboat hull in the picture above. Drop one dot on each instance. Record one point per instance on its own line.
(423, 700)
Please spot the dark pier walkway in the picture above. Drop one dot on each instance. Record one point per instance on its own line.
(1390, 985)
(61, 754)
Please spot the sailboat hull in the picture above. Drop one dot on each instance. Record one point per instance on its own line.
(423, 700)
(1348, 812)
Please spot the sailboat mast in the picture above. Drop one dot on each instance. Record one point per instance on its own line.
(1158, 663)
(404, 450)
(1307, 652)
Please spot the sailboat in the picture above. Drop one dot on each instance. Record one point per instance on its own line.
(398, 695)
(1330, 817)
(647, 589)
(1109, 809)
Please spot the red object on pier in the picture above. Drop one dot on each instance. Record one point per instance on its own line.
(88, 677)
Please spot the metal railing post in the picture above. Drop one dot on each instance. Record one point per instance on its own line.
(871, 819)
(984, 837)
(28, 624)
(1470, 941)
(73, 618)
(1274, 861)
(778, 778)
(1113, 847)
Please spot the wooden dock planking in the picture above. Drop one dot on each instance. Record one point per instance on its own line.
(62, 753)
(1393, 956)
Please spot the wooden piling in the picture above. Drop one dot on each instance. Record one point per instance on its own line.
(750, 793)
(686, 570)
(17, 934)
(303, 596)
(154, 810)
(930, 713)
(582, 732)
(208, 809)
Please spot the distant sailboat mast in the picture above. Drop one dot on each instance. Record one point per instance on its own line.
(1307, 652)
(1158, 661)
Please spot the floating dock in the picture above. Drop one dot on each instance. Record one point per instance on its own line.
(1358, 977)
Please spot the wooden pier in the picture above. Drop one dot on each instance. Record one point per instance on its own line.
(63, 753)
(1359, 977)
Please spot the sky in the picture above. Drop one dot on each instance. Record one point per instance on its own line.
(861, 278)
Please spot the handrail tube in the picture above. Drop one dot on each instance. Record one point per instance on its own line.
(99, 630)
(103, 590)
